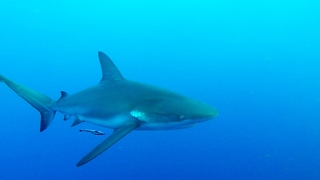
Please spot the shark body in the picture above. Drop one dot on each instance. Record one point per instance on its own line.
(120, 104)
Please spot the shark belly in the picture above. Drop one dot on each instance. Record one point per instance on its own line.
(112, 122)
(165, 126)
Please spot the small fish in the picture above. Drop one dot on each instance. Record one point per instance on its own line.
(95, 132)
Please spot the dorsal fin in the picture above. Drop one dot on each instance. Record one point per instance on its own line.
(109, 71)
(63, 95)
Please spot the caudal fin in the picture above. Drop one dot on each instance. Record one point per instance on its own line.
(39, 101)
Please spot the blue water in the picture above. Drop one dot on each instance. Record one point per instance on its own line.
(257, 62)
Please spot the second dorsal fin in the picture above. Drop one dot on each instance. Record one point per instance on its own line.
(63, 95)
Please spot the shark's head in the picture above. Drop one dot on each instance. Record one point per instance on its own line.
(191, 110)
(176, 112)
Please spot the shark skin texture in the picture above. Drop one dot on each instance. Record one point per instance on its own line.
(119, 104)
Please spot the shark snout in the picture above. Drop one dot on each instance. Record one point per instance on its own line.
(207, 112)
(214, 113)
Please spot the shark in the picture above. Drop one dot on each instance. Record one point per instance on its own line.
(117, 103)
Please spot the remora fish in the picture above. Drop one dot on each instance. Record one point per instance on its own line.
(95, 132)
(120, 104)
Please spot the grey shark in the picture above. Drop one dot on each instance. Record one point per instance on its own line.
(118, 103)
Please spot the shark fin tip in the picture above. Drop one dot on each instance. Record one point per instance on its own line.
(2, 78)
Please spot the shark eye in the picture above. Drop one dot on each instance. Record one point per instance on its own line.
(182, 117)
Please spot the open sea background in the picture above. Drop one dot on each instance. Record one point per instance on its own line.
(257, 62)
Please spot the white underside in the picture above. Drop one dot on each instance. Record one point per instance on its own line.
(120, 120)
(113, 123)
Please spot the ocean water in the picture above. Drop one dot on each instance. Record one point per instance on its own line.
(257, 62)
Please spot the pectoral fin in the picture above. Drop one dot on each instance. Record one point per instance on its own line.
(112, 139)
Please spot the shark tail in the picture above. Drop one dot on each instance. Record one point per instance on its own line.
(39, 101)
